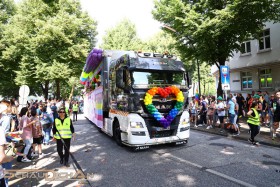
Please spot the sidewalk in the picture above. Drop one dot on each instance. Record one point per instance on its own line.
(35, 173)
(264, 137)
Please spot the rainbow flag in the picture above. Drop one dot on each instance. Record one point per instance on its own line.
(196, 97)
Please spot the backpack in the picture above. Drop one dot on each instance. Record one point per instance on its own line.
(204, 106)
(46, 120)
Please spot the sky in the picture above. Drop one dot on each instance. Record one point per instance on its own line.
(108, 13)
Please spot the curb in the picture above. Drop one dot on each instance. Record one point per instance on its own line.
(262, 142)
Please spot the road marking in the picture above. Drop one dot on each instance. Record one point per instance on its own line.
(209, 170)
(229, 178)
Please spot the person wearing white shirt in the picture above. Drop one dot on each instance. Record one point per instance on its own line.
(221, 112)
(3, 157)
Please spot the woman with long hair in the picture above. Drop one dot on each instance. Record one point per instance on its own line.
(26, 128)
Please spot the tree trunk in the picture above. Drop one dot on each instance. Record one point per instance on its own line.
(204, 88)
(219, 90)
(45, 89)
(72, 91)
(57, 83)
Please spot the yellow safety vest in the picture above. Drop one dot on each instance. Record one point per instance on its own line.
(64, 129)
(75, 107)
(254, 120)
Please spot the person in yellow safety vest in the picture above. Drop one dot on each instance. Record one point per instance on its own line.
(63, 126)
(75, 109)
(254, 122)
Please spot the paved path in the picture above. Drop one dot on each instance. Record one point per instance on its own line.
(207, 160)
(264, 137)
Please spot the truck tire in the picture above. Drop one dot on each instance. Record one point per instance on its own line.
(117, 133)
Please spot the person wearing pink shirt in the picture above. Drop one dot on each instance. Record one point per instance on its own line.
(26, 128)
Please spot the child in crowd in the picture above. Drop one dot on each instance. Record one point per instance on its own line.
(37, 134)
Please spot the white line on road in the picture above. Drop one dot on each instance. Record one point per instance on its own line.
(229, 178)
(209, 170)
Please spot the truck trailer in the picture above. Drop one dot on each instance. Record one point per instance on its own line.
(140, 99)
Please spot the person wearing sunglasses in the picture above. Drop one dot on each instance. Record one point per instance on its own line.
(64, 129)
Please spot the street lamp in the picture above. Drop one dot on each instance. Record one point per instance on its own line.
(197, 63)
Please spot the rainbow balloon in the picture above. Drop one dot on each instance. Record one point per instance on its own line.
(164, 92)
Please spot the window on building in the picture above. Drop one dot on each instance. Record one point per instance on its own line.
(246, 47)
(265, 78)
(246, 78)
(264, 42)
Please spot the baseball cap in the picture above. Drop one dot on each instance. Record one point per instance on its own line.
(256, 96)
(3, 107)
(220, 98)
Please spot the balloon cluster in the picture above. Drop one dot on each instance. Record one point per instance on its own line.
(93, 60)
(164, 92)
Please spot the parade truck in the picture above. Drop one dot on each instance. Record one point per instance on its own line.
(140, 99)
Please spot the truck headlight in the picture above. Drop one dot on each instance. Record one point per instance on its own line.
(136, 124)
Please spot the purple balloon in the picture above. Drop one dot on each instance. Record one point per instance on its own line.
(99, 57)
(95, 50)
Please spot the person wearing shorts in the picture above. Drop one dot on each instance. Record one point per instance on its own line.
(276, 111)
(37, 134)
(221, 112)
(231, 107)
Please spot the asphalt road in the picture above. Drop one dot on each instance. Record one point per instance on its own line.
(207, 160)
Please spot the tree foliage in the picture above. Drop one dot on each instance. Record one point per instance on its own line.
(122, 37)
(207, 81)
(161, 42)
(48, 42)
(211, 30)
(7, 84)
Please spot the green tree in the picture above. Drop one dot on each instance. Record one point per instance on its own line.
(207, 81)
(122, 37)
(7, 84)
(161, 42)
(52, 43)
(211, 30)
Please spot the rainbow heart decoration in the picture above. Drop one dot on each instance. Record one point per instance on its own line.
(164, 92)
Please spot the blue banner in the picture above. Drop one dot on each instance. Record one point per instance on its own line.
(225, 77)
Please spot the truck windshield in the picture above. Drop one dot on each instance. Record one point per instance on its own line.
(162, 78)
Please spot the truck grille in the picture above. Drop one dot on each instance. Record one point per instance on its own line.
(161, 134)
(157, 131)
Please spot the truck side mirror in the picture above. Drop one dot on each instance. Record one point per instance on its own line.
(119, 78)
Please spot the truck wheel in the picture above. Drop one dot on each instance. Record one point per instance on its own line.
(117, 133)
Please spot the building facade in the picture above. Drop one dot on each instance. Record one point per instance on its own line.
(257, 65)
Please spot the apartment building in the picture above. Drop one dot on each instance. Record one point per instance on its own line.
(257, 65)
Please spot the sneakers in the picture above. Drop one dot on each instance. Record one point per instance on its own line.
(250, 140)
(41, 155)
(66, 164)
(237, 134)
(34, 154)
(61, 160)
(209, 127)
(25, 160)
(255, 143)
